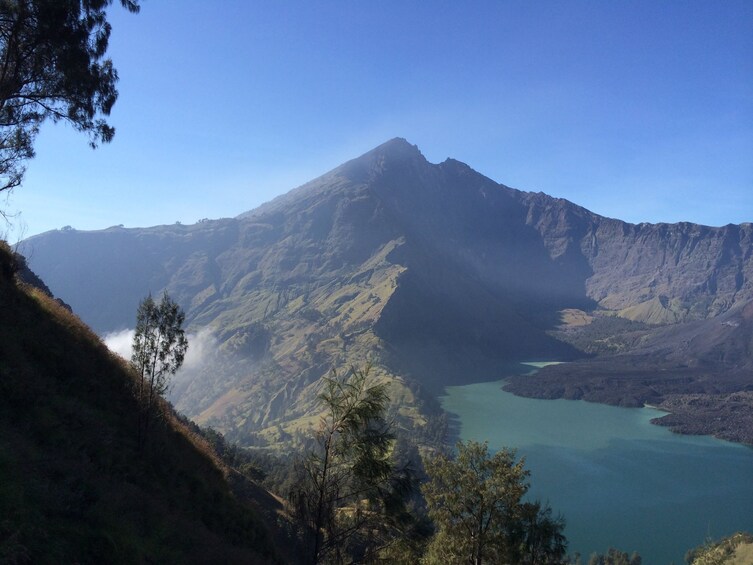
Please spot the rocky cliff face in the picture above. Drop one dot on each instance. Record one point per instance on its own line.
(658, 273)
(434, 272)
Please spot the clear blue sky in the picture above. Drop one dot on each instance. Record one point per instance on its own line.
(641, 110)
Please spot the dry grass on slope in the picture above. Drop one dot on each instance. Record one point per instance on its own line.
(737, 549)
(73, 485)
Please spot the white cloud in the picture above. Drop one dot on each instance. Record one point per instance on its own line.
(120, 342)
(200, 344)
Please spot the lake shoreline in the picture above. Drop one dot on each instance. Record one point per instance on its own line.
(726, 416)
(618, 479)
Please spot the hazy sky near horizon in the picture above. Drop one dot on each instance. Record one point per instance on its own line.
(640, 110)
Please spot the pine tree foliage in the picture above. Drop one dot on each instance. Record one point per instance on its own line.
(350, 495)
(615, 557)
(53, 66)
(159, 347)
(474, 501)
(542, 541)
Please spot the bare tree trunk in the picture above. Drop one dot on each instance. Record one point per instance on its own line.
(318, 523)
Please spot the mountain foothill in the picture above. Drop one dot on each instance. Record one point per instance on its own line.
(435, 275)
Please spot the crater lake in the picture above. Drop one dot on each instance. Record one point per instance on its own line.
(619, 480)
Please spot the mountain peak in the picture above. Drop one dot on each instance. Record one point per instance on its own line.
(396, 148)
(396, 151)
(398, 143)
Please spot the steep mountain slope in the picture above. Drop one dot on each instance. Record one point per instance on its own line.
(435, 273)
(73, 487)
(656, 273)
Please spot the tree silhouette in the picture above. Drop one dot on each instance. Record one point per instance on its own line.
(53, 66)
(159, 347)
(350, 495)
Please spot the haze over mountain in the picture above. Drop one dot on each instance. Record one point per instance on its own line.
(433, 272)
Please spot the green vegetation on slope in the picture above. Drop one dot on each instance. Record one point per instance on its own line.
(736, 549)
(73, 486)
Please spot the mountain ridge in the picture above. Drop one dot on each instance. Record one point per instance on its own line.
(434, 272)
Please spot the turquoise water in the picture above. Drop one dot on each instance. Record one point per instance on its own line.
(618, 479)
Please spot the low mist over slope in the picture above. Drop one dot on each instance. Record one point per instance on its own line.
(433, 272)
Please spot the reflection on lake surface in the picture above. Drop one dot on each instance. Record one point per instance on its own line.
(619, 480)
